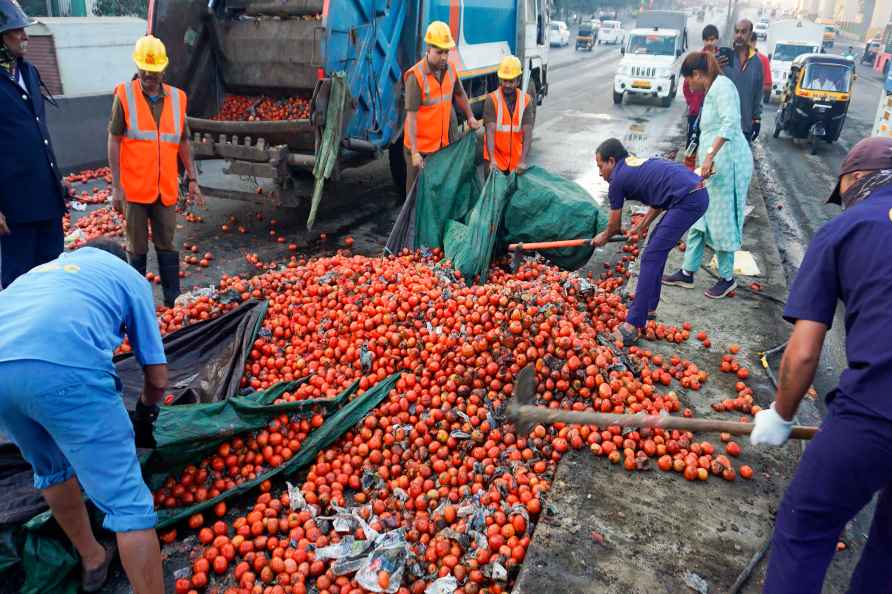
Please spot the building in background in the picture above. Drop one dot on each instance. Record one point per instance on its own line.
(879, 18)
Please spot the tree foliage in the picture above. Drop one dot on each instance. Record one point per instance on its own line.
(137, 8)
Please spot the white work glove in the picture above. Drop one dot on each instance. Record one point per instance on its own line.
(770, 428)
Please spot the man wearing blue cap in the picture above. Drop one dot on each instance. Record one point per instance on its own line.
(850, 460)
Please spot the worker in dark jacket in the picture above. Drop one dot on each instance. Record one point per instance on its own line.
(31, 196)
(849, 463)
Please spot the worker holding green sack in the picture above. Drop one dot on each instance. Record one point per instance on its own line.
(509, 115)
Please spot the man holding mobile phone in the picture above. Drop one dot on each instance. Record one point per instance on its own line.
(743, 67)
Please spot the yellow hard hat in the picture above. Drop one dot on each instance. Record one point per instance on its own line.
(150, 54)
(439, 35)
(510, 68)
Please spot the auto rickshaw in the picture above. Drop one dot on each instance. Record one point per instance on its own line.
(585, 36)
(870, 51)
(816, 98)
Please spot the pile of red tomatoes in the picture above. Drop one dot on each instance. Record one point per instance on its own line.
(102, 222)
(253, 108)
(100, 193)
(437, 459)
(236, 461)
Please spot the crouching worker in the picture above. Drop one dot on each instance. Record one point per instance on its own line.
(60, 400)
(664, 186)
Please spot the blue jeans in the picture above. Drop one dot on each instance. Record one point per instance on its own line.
(71, 421)
(665, 236)
(693, 256)
(843, 467)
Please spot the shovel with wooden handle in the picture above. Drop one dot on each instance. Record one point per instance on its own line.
(523, 412)
(519, 248)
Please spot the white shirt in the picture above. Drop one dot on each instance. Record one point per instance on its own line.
(20, 80)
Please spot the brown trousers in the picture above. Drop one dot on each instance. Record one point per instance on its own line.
(164, 224)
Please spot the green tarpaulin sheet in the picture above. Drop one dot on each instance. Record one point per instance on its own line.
(469, 243)
(184, 435)
(446, 190)
(547, 207)
(473, 222)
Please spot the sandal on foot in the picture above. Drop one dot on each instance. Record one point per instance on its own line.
(628, 338)
(92, 580)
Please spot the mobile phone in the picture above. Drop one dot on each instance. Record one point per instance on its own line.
(727, 53)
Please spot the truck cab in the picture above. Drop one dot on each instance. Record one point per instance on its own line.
(650, 65)
(782, 57)
(787, 40)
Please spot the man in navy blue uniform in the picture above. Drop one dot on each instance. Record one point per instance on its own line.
(666, 187)
(850, 460)
(31, 196)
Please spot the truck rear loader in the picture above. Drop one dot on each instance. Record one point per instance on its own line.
(346, 58)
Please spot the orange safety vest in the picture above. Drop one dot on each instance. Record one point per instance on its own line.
(149, 150)
(508, 139)
(435, 113)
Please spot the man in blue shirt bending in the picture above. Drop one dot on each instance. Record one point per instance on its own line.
(60, 400)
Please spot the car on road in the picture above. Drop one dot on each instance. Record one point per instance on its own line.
(761, 30)
(611, 32)
(650, 64)
(559, 34)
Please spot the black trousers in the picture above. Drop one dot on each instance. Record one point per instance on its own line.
(29, 245)
(693, 132)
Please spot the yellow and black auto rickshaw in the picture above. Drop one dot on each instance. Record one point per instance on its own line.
(816, 98)
(585, 36)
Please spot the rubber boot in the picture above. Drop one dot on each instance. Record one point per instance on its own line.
(138, 262)
(169, 270)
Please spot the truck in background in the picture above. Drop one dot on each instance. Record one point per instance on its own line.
(788, 39)
(652, 57)
(347, 54)
(884, 52)
(829, 31)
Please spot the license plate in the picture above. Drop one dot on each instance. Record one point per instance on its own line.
(641, 84)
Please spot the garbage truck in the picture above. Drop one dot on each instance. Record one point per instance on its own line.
(788, 39)
(331, 73)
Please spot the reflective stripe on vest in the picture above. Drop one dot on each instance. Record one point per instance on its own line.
(434, 115)
(508, 135)
(448, 83)
(515, 124)
(133, 130)
(150, 148)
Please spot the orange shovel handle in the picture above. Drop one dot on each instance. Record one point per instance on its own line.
(545, 245)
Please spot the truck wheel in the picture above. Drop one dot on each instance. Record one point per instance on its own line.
(617, 98)
(813, 144)
(398, 167)
(666, 101)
